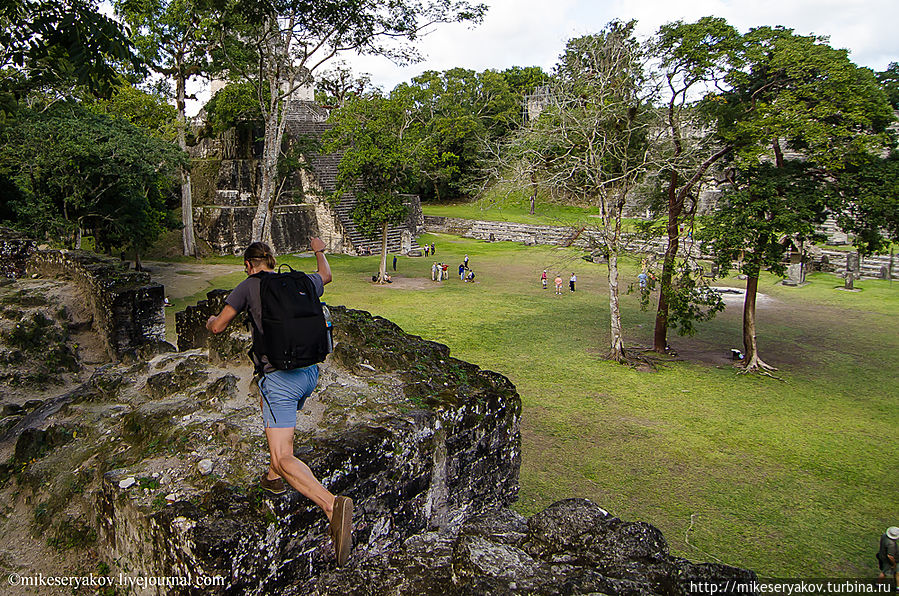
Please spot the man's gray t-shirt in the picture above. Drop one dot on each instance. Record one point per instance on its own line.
(246, 297)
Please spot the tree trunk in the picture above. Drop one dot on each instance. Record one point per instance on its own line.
(750, 347)
(78, 237)
(533, 194)
(187, 214)
(660, 337)
(271, 150)
(382, 270)
(137, 264)
(617, 348)
(275, 122)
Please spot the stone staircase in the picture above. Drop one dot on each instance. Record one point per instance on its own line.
(511, 232)
(835, 236)
(324, 171)
(364, 244)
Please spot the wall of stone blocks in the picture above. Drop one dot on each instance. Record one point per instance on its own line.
(128, 308)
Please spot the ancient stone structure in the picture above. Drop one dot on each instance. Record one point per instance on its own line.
(571, 547)
(127, 308)
(226, 178)
(816, 259)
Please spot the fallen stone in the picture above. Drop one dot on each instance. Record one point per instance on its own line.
(205, 467)
(127, 482)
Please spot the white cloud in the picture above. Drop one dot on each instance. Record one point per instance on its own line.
(532, 32)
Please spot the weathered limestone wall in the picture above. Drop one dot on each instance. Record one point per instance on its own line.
(571, 547)
(447, 447)
(228, 229)
(874, 266)
(15, 249)
(128, 308)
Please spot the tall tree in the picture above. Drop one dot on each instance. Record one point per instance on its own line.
(279, 45)
(867, 200)
(693, 58)
(172, 37)
(461, 110)
(767, 207)
(337, 84)
(524, 80)
(378, 140)
(58, 43)
(592, 140)
(146, 110)
(796, 104)
(889, 82)
(76, 171)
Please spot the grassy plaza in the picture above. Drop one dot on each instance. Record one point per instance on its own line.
(791, 477)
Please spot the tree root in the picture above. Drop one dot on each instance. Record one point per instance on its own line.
(756, 364)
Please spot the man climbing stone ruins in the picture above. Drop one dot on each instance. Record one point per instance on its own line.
(283, 393)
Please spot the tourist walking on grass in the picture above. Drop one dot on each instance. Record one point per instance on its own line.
(394, 262)
(433, 249)
(888, 556)
(558, 282)
(445, 268)
(434, 271)
(543, 279)
(461, 271)
(283, 391)
(571, 281)
(465, 261)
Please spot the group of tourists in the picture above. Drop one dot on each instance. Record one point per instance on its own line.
(465, 272)
(439, 271)
(430, 250)
(558, 282)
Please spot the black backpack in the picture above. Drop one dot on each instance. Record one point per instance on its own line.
(294, 331)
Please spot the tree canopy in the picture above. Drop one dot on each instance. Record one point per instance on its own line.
(592, 140)
(797, 113)
(281, 44)
(53, 43)
(73, 171)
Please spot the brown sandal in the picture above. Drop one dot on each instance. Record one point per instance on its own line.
(342, 528)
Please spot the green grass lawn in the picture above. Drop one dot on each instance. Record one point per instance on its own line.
(506, 203)
(792, 478)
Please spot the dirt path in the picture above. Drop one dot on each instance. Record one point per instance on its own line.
(185, 279)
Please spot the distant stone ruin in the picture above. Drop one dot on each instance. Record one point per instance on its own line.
(226, 179)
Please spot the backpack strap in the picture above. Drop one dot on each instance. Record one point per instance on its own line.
(256, 349)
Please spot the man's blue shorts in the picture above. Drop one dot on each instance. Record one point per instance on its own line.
(284, 392)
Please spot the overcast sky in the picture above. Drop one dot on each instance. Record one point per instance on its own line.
(533, 32)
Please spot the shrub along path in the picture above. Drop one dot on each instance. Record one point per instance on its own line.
(792, 478)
